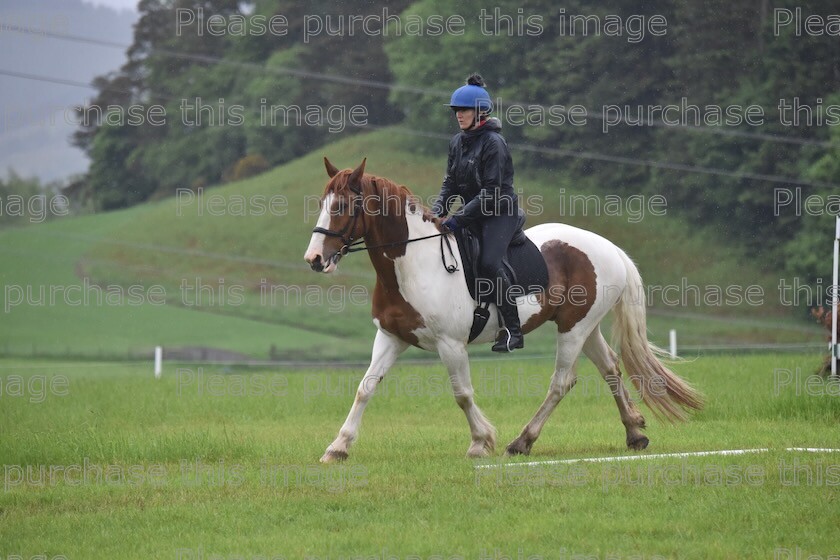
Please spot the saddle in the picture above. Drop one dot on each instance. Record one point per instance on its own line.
(524, 263)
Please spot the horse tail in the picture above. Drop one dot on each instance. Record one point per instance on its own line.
(664, 392)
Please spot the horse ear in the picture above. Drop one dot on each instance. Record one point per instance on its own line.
(332, 170)
(356, 176)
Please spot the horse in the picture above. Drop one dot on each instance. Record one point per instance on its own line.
(417, 302)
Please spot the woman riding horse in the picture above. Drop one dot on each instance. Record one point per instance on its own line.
(480, 170)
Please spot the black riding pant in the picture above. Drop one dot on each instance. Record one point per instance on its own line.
(496, 235)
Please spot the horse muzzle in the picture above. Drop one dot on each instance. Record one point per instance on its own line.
(318, 264)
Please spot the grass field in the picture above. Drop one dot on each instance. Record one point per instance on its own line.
(103, 461)
(100, 460)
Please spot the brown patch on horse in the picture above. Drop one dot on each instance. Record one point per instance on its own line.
(383, 197)
(394, 313)
(571, 287)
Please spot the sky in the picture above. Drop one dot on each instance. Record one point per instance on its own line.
(117, 4)
(35, 132)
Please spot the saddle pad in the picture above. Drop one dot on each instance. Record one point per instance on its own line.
(524, 262)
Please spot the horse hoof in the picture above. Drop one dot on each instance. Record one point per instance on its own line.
(334, 457)
(518, 447)
(478, 451)
(638, 443)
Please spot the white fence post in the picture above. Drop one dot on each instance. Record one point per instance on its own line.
(672, 340)
(158, 361)
(835, 297)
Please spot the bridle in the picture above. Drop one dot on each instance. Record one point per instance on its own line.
(346, 233)
(350, 243)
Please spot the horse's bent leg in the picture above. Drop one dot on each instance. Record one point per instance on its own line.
(597, 350)
(563, 379)
(455, 357)
(386, 349)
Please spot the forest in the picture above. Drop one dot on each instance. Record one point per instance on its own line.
(728, 109)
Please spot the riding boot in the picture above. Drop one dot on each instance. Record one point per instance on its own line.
(510, 337)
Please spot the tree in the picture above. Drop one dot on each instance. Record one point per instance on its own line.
(230, 77)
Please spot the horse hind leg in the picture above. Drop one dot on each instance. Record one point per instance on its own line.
(606, 360)
(562, 381)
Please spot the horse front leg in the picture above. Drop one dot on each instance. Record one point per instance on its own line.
(455, 357)
(386, 350)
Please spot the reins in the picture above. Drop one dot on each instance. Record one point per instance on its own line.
(450, 268)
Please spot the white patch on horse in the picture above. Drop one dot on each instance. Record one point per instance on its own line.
(316, 242)
(442, 299)
(528, 306)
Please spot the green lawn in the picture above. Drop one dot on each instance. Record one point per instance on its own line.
(222, 463)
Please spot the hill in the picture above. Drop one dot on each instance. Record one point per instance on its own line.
(225, 270)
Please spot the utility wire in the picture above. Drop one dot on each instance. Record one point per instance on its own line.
(409, 89)
(621, 160)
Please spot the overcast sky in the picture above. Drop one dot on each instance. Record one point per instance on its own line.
(118, 4)
(34, 130)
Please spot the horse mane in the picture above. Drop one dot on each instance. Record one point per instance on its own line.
(371, 184)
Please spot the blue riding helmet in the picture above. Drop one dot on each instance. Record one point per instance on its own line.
(471, 97)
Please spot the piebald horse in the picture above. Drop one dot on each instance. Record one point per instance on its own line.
(416, 301)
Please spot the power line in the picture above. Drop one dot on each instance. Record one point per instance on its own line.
(621, 160)
(73, 83)
(634, 161)
(410, 89)
(242, 64)
(25, 76)
(588, 155)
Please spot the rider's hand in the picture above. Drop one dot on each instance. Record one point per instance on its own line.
(450, 225)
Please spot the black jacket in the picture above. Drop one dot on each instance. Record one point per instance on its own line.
(480, 170)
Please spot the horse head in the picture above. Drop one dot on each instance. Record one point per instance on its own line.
(341, 221)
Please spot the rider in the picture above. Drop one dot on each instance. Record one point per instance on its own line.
(480, 170)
